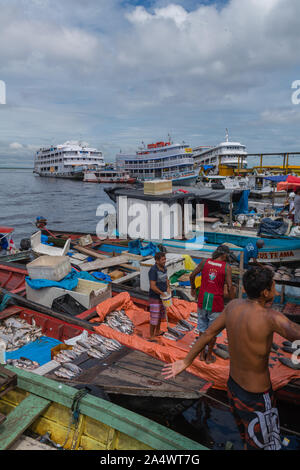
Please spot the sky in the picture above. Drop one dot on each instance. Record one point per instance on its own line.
(115, 73)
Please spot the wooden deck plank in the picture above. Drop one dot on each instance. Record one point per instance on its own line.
(105, 263)
(20, 419)
(134, 373)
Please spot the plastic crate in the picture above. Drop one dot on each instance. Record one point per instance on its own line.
(53, 268)
(67, 304)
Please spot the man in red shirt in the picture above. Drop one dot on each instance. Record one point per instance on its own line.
(216, 272)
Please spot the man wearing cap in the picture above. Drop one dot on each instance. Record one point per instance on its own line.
(289, 205)
(216, 272)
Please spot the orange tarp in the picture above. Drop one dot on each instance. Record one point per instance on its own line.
(169, 351)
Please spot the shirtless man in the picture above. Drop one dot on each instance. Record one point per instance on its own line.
(250, 325)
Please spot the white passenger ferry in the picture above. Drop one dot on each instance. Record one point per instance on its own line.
(222, 159)
(68, 160)
(161, 160)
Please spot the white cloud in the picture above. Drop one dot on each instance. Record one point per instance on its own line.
(15, 146)
(107, 71)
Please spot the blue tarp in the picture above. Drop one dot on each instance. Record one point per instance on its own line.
(137, 248)
(69, 282)
(44, 240)
(242, 205)
(39, 350)
(101, 276)
(207, 167)
(277, 178)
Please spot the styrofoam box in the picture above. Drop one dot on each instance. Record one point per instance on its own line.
(88, 293)
(53, 268)
(174, 263)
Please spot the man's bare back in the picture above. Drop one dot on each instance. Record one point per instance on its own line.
(250, 337)
(250, 326)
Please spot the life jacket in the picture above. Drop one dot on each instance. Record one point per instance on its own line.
(211, 293)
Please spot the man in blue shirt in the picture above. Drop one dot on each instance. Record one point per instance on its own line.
(251, 251)
(159, 285)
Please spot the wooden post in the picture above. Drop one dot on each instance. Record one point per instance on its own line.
(287, 164)
(241, 274)
(230, 211)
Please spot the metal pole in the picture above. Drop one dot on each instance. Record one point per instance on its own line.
(230, 211)
(241, 274)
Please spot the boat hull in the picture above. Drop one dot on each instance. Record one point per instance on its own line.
(99, 426)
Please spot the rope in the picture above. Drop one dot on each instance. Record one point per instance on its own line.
(4, 302)
(74, 417)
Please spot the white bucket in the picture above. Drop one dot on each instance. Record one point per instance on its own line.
(166, 300)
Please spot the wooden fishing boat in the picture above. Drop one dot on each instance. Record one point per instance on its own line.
(12, 278)
(39, 405)
(283, 250)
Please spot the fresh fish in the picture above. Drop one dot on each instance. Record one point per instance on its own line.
(62, 358)
(73, 368)
(221, 353)
(79, 349)
(95, 339)
(63, 373)
(169, 336)
(70, 353)
(101, 348)
(173, 332)
(185, 325)
(95, 354)
(222, 346)
(84, 344)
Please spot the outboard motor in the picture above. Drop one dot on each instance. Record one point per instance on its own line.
(25, 244)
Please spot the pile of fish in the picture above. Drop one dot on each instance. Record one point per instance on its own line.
(68, 371)
(16, 332)
(23, 363)
(95, 346)
(184, 326)
(193, 318)
(285, 274)
(173, 334)
(118, 320)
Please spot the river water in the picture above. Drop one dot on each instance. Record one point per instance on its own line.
(72, 205)
(67, 204)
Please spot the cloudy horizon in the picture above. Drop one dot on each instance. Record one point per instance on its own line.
(114, 73)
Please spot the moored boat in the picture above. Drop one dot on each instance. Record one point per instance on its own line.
(160, 161)
(75, 420)
(107, 175)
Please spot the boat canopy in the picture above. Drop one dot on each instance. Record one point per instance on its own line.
(292, 182)
(6, 230)
(208, 194)
(276, 178)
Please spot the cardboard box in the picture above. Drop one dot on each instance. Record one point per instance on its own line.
(116, 274)
(157, 187)
(85, 240)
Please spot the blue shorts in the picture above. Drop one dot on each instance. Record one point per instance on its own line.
(205, 319)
